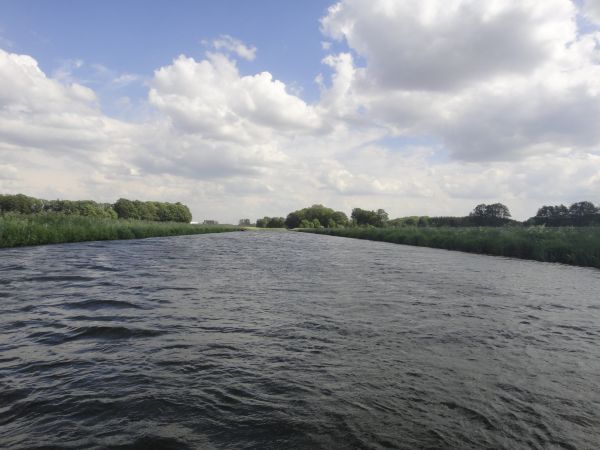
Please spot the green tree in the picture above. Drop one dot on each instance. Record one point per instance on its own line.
(581, 209)
(276, 222)
(363, 217)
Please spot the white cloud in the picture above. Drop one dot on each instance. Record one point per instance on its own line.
(591, 10)
(212, 99)
(493, 80)
(230, 44)
(430, 45)
(425, 112)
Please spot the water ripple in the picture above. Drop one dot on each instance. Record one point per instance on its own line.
(283, 340)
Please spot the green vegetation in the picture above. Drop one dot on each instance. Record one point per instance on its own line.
(363, 217)
(270, 222)
(122, 209)
(53, 228)
(575, 246)
(316, 216)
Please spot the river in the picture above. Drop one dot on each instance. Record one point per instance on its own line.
(293, 340)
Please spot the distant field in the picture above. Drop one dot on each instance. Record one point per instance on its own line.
(568, 245)
(19, 230)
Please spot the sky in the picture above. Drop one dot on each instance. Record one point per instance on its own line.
(244, 109)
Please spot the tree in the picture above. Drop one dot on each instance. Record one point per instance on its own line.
(365, 217)
(244, 222)
(324, 215)
(294, 219)
(382, 217)
(340, 218)
(581, 209)
(276, 222)
(262, 223)
(479, 211)
(498, 211)
(495, 210)
(125, 209)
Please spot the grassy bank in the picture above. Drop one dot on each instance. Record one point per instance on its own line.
(575, 246)
(18, 230)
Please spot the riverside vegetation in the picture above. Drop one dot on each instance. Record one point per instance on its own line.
(555, 234)
(30, 221)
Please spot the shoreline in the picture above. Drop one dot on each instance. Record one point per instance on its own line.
(33, 230)
(571, 246)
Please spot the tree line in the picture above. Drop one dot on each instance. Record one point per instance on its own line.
(578, 214)
(583, 213)
(121, 209)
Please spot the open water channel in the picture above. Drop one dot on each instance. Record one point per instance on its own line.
(292, 340)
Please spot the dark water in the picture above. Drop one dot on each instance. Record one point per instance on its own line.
(285, 340)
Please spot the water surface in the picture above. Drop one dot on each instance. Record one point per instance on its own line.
(291, 340)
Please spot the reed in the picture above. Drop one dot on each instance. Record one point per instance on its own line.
(568, 245)
(19, 230)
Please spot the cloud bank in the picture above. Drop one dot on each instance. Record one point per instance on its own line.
(429, 108)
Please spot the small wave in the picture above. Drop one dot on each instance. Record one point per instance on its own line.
(93, 332)
(471, 414)
(94, 305)
(152, 443)
(59, 278)
(106, 332)
(101, 268)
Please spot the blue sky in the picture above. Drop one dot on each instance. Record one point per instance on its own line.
(252, 108)
(138, 36)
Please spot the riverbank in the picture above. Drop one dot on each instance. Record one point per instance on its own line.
(574, 246)
(22, 230)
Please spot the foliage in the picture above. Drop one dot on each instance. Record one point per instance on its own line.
(122, 209)
(244, 223)
(156, 211)
(490, 215)
(575, 246)
(52, 228)
(449, 221)
(364, 217)
(270, 222)
(316, 216)
(578, 214)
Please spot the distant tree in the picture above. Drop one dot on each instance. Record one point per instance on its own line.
(479, 211)
(126, 209)
(294, 219)
(340, 218)
(244, 222)
(495, 210)
(581, 209)
(382, 217)
(276, 222)
(20, 203)
(365, 217)
(498, 211)
(324, 215)
(262, 223)
(490, 215)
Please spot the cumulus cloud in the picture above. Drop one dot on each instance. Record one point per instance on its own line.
(430, 45)
(591, 10)
(230, 44)
(211, 98)
(493, 80)
(426, 107)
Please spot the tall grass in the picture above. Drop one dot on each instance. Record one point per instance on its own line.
(575, 246)
(18, 230)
